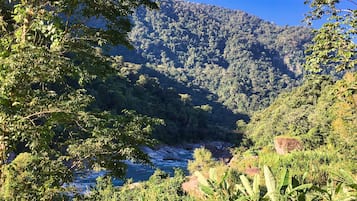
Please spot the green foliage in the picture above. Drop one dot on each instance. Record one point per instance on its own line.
(226, 186)
(241, 125)
(134, 91)
(103, 190)
(275, 188)
(284, 188)
(333, 44)
(319, 163)
(321, 117)
(343, 186)
(344, 111)
(159, 187)
(250, 192)
(49, 50)
(303, 112)
(120, 134)
(242, 60)
(320, 112)
(202, 161)
(34, 177)
(216, 186)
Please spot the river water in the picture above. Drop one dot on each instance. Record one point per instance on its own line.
(165, 158)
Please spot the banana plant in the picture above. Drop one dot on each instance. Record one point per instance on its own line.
(343, 188)
(249, 192)
(286, 188)
(215, 187)
(348, 179)
(349, 183)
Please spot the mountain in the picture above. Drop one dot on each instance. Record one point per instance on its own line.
(182, 121)
(237, 59)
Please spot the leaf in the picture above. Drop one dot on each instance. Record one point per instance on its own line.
(15, 103)
(269, 179)
(338, 188)
(256, 184)
(270, 183)
(201, 179)
(241, 188)
(347, 177)
(284, 179)
(212, 174)
(207, 190)
(223, 183)
(301, 187)
(246, 185)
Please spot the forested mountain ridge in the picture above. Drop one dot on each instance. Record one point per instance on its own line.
(243, 60)
(183, 121)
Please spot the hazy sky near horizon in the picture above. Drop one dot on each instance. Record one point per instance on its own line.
(281, 12)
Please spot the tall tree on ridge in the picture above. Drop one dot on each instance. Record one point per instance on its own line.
(334, 44)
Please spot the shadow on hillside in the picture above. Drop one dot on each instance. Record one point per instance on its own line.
(221, 116)
(221, 120)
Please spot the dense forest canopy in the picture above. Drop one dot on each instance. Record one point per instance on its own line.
(242, 60)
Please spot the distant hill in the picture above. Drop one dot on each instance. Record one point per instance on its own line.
(241, 61)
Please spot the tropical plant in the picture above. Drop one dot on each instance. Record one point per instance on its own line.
(341, 188)
(285, 188)
(250, 192)
(217, 187)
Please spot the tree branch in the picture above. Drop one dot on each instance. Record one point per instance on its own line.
(81, 127)
(44, 113)
(345, 10)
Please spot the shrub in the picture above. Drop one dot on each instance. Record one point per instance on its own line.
(203, 161)
(33, 177)
(160, 186)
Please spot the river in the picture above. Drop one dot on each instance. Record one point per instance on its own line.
(163, 157)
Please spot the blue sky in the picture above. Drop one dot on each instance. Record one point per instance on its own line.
(281, 12)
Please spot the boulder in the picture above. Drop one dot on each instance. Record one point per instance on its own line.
(284, 145)
(251, 171)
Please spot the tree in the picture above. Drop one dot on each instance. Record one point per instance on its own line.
(334, 43)
(49, 51)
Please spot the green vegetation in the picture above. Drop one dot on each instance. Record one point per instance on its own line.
(230, 185)
(47, 56)
(241, 60)
(159, 187)
(276, 187)
(203, 161)
(320, 114)
(183, 121)
(30, 177)
(66, 104)
(334, 43)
